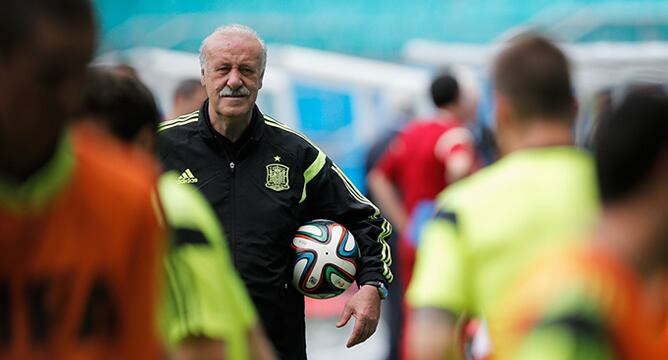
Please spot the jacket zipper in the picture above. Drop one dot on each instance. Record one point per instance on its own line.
(233, 165)
(234, 211)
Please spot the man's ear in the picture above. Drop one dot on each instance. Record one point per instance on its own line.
(201, 77)
(261, 80)
(502, 110)
(503, 114)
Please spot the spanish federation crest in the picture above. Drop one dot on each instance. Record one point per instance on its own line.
(277, 177)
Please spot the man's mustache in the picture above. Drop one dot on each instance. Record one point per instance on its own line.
(240, 91)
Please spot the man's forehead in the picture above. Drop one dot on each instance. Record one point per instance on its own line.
(233, 44)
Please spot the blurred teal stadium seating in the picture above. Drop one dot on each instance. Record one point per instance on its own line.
(375, 28)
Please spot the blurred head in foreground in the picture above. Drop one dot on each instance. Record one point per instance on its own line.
(45, 46)
(80, 273)
(122, 105)
(534, 103)
(631, 151)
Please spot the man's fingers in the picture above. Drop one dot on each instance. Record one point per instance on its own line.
(371, 326)
(368, 330)
(359, 331)
(347, 312)
(365, 335)
(355, 337)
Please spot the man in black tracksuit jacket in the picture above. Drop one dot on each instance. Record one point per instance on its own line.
(265, 180)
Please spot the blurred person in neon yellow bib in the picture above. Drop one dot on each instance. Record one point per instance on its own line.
(489, 225)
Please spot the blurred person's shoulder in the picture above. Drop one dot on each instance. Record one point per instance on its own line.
(185, 206)
(483, 184)
(524, 172)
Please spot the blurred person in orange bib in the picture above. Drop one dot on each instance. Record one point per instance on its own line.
(80, 229)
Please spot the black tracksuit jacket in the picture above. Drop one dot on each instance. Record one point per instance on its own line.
(263, 187)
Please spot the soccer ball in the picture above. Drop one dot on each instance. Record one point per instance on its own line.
(326, 259)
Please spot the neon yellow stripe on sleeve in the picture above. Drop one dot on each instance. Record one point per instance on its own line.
(382, 238)
(354, 192)
(312, 171)
(386, 257)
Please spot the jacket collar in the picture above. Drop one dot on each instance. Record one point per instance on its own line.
(252, 133)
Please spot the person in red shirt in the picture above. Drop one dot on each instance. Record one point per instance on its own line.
(423, 159)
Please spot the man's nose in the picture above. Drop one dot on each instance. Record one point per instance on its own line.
(234, 79)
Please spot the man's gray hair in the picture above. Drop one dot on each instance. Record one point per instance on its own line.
(233, 29)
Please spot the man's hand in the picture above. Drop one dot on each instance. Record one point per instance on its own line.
(365, 307)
